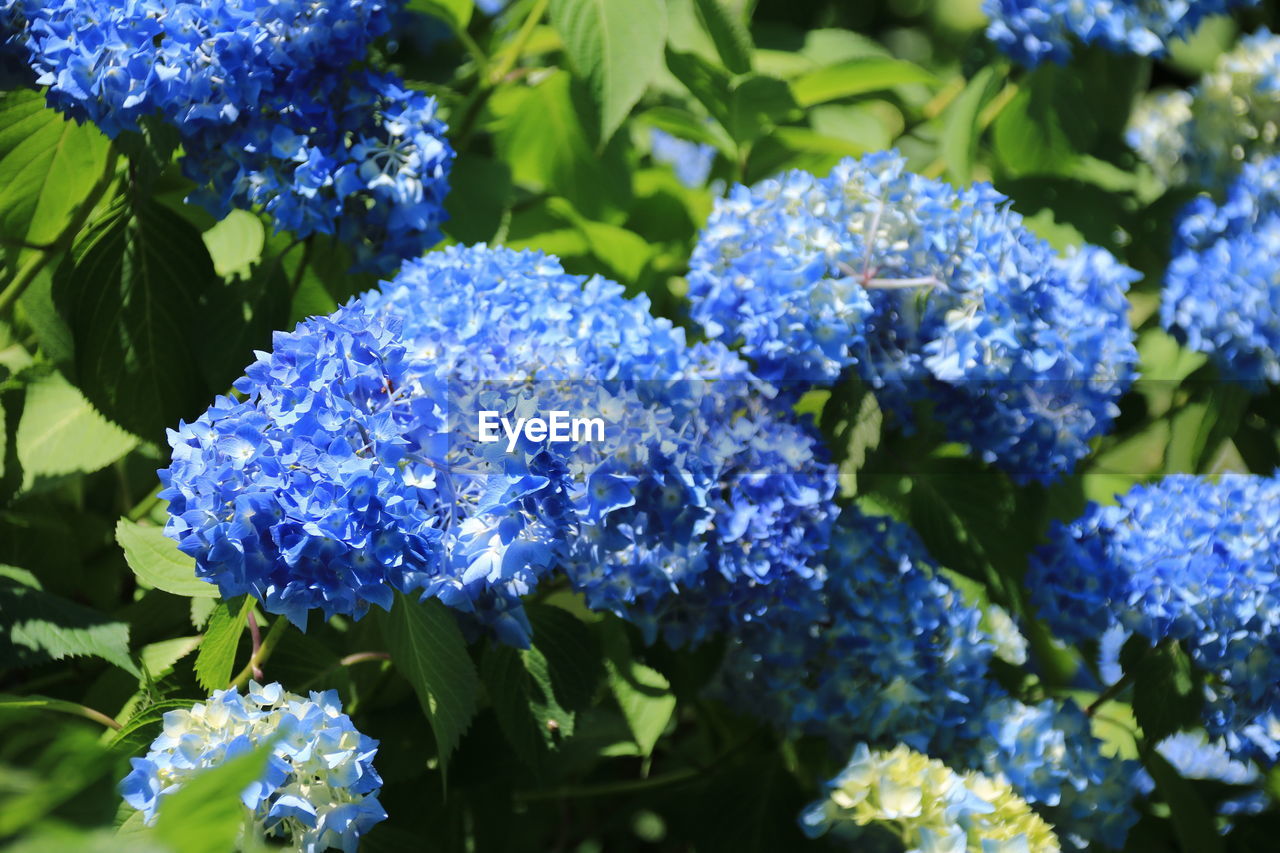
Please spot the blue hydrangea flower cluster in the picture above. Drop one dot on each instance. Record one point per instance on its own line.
(896, 655)
(1050, 756)
(272, 103)
(354, 466)
(929, 293)
(691, 161)
(319, 790)
(1230, 117)
(1032, 31)
(1222, 287)
(1187, 560)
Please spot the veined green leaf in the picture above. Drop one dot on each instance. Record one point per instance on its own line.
(48, 164)
(429, 651)
(61, 433)
(43, 627)
(129, 297)
(615, 47)
(856, 77)
(221, 638)
(729, 33)
(156, 560)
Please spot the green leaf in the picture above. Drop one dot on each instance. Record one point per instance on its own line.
(642, 692)
(479, 191)
(235, 243)
(61, 433)
(455, 13)
(1168, 691)
(129, 296)
(747, 106)
(539, 133)
(729, 33)
(48, 164)
(206, 815)
(615, 47)
(510, 690)
(856, 77)
(960, 126)
(156, 560)
(429, 651)
(221, 639)
(43, 627)
(756, 104)
(686, 125)
(571, 655)
(1192, 821)
(159, 657)
(140, 728)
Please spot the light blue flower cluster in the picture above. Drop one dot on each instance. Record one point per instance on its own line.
(1222, 287)
(319, 790)
(272, 104)
(691, 161)
(895, 655)
(1186, 560)
(1230, 117)
(355, 466)
(1031, 31)
(929, 293)
(1051, 757)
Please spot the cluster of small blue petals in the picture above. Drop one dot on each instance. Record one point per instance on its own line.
(319, 790)
(1187, 560)
(928, 293)
(1222, 287)
(1051, 757)
(895, 654)
(355, 467)
(272, 104)
(1032, 31)
(702, 507)
(1229, 118)
(691, 161)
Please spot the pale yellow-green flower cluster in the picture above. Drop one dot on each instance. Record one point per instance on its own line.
(932, 808)
(1232, 116)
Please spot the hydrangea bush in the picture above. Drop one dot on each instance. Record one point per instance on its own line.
(671, 425)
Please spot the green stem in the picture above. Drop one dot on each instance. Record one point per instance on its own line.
(988, 115)
(512, 54)
(144, 507)
(263, 653)
(1110, 693)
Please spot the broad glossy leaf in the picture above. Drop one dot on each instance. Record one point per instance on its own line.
(130, 295)
(429, 651)
(217, 656)
(156, 560)
(615, 47)
(61, 433)
(48, 164)
(856, 77)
